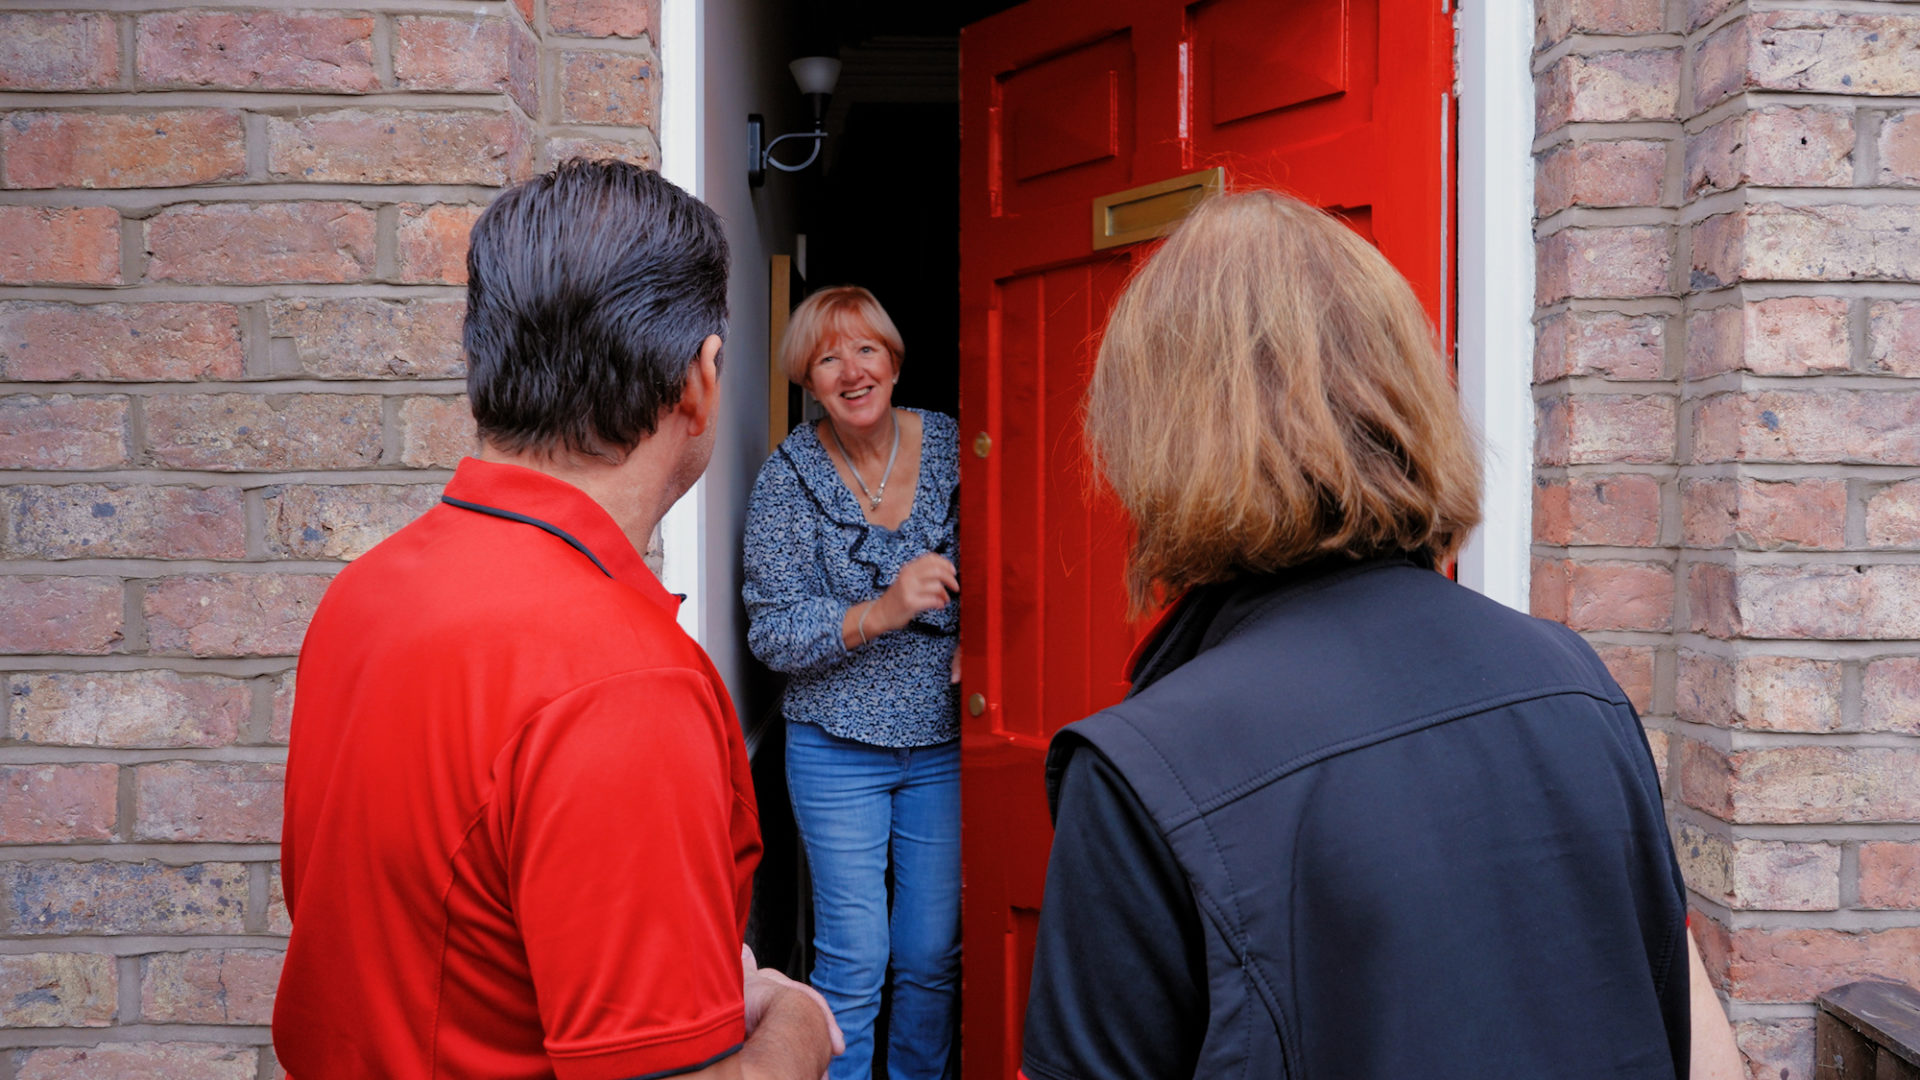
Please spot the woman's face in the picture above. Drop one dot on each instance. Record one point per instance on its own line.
(853, 378)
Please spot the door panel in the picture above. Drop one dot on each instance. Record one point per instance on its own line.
(1343, 102)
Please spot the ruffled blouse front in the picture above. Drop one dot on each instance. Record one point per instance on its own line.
(811, 554)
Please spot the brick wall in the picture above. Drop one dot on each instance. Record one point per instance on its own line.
(232, 246)
(1726, 500)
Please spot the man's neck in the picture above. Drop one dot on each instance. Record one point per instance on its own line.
(634, 493)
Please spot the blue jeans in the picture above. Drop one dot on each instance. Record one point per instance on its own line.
(853, 803)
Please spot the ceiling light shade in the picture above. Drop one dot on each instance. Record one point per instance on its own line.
(816, 74)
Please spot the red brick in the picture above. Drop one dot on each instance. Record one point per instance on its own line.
(209, 986)
(278, 921)
(640, 149)
(1620, 262)
(1789, 335)
(1848, 602)
(393, 146)
(1900, 149)
(58, 51)
(341, 521)
(1774, 146)
(122, 521)
(1835, 52)
(1776, 1049)
(523, 73)
(1804, 514)
(1893, 337)
(1759, 875)
(1551, 523)
(141, 1061)
(208, 801)
(169, 148)
(434, 52)
(264, 432)
(1763, 693)
(57, 897)
(1603, 343)
(1893, 516)
(55, 804)
(1554, 20)
(1890, 875)
(1709, 511)
(1705, 777)
(1719, 250)
(105, 342)
(280, 728)
(1616, 86)
(1797, 965)
(1775, 242)
(433, 242)
(1616, 511)
(1614, 173)
(60, 615)
(1867, 426)
(257, 50)
(608, 88)
(1548, 588)
(606, 18)
(231, 614)
(1714, 942)
(256, 243)
(1608, 429)
(1812, 784)
(435, 433)
(1631, 667)
(1720, 63)
(127, 709)
(62, 432)
(70, 989)
(51, 246)
(363, 338)
(1619, 596)
(1891, 700)
(1658, 745)
(1710, 600)
(1551, 430)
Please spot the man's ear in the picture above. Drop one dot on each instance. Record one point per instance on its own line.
(700, 397)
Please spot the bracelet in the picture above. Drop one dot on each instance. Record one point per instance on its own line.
(861, 626)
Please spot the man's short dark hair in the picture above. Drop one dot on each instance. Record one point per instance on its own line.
(589, 292)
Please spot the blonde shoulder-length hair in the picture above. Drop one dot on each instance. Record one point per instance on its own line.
(1268, 392)
(842, 311)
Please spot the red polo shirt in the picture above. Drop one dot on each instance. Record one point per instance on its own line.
(520, 828)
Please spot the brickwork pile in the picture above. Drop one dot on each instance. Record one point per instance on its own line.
(232, 245)
(1726, 503)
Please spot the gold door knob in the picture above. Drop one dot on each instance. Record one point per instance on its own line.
(982, 445)
(976, 703)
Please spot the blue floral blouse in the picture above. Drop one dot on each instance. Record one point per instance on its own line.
(810, 555)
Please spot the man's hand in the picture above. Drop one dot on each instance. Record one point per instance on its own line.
(763, 986)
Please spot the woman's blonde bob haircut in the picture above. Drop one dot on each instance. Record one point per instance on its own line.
(1267, 393)
(830, 315)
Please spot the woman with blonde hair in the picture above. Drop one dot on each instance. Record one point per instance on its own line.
(1352, 820)
(849, 589)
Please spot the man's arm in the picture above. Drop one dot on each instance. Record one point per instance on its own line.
(1715, 1057)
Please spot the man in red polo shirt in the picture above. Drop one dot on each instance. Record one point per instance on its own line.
(520, 830)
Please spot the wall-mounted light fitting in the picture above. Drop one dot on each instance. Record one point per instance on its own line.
(816, 76)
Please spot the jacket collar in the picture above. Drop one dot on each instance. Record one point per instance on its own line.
(1209, 614)
(561, 508)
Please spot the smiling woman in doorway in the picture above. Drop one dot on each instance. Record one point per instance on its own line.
(850, 590)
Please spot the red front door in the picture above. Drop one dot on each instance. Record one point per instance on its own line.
(1345, 103)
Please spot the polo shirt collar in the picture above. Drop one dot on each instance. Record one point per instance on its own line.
(528, 493)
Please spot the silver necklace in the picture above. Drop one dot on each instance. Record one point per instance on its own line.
(873, 497)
